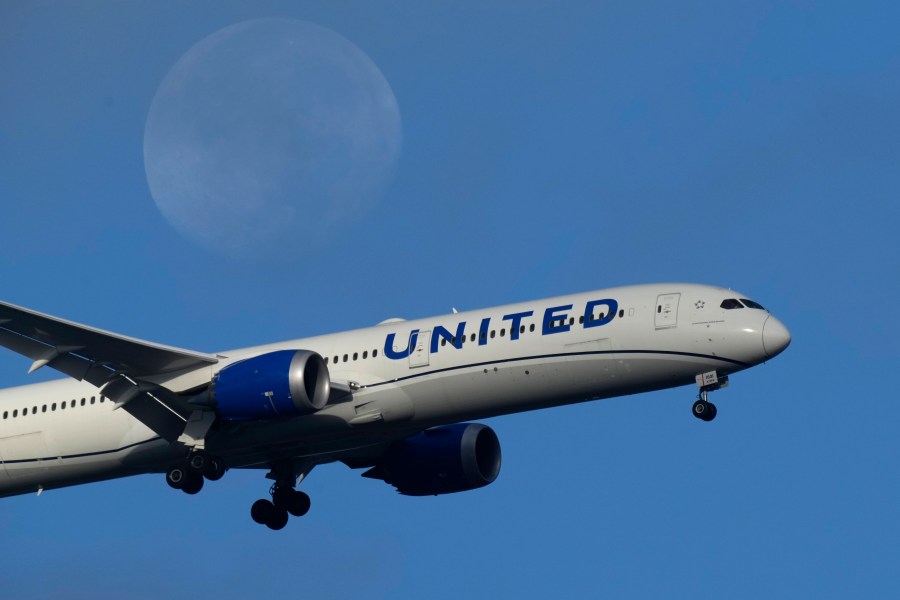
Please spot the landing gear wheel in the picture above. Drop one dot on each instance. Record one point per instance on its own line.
(300, 504)
(176, 477)
(192, 485)
(215, 469)
(703, 410)
(278, 519)
(198, 462)
(261, 510)
(293, 501)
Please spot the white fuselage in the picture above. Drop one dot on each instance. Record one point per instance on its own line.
(404, 376)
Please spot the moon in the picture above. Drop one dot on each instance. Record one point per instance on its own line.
(267, 136)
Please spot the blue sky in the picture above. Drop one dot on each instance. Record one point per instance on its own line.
(545, 150)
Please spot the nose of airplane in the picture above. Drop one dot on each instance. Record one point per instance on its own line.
(776, 337)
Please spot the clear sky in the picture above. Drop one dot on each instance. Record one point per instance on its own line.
(545, 150)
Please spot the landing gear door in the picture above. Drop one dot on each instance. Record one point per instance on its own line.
(419, 343)
(666, 310)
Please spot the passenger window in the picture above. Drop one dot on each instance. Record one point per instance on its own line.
(53, 406)
(345, 358)
(621, 312)
(730, 303)
(62, 405)
(72, 404)
(492, 333)
(531, 327)
(82, 401)
(326, 360)
(522, 329)
(15, 413)
(365, 354)
(502, 332)
(355, 355)
(92, 399)
(443, 341)
(374, 353)
(44, 408)
(472, 338)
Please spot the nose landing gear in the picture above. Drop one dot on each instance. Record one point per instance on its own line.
(703, 409)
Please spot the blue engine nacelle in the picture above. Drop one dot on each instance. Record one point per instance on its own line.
(285, 383)
(442, 460)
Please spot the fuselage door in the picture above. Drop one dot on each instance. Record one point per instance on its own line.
(666, 310)
(419, 344)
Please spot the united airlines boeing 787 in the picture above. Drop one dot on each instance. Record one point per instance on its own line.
(392, 399)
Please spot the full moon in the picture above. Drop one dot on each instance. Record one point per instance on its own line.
(268, 135)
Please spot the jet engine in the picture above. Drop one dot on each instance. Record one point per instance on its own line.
(285, 383)
(442, 460)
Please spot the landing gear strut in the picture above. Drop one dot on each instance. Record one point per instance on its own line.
(703, 409)
(286, 500)
(188, 475)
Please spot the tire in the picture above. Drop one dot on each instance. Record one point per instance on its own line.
(701, 409)
(198, 462)
(299, 503)
(277, 519)
(215, 469)
(192, 485)
(176, 477)
(261, 510)
(710, 412)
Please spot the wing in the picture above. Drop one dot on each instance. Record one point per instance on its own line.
(116, 363)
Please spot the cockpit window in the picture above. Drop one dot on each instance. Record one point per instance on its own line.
(730, 303)
(752, 304)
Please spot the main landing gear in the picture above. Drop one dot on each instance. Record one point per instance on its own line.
(286, 500)
(188, 476)
(703, 409)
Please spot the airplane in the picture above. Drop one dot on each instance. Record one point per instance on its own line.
(397, 399)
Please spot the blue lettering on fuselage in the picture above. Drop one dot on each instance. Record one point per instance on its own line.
(401, 354)
(590, 321)
(454, 339)
(556, 319)
(516, 319)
